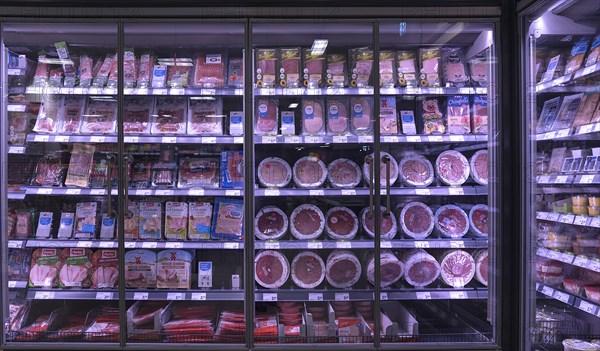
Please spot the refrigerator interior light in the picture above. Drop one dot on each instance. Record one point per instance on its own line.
(55, 61)
(318, 47)
(293, 105)
(202, 98)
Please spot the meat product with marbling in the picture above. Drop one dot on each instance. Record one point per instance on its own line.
(452, 168)
(415, 170)
(309, 172)
(270, 223)
(209, 71)
(308, 270)
(457, 268)
(307, 222)
(341, 223)
(274, 172)
(343, 269)
(478, 217)
(479, 167)
(271, 269)
(344, 173)
(416, 220)
(383, 169)
(266, 119)
(420, 268)
(391, 268)
(389, 226)
(451, 221)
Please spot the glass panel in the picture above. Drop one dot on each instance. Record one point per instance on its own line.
(437, 114)
(313, 132)
(561, 129)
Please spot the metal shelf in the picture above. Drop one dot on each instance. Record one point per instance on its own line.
(569, 299)
(369, 244)
(57, 294)
(367, 91)
(187, 295)
(558, 84)
(132, 192)
(555, 179)
(437, 191)
(110, 244)
(135, 91)
(360, 295)
(367, 139)
(134, 139)
(568, 133)
(585, 221)
(569, 258)
(225, 245)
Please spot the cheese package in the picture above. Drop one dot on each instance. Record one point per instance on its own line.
(407, 68)
(176, 217)
(200, 218)
(65, 228)
(577, 54)
(430, 60)
(228, 219)
(459, 116)
(44, 225)
(140, 269)
(150, 220)
(85, 220)
(132, 221)
(174, 269)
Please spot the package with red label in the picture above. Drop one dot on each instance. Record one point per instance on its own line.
(45, 265)
(129, 68)
(178, 73)
(228, 219)
(205, 117)
(459, 116)
(76, 272)
(105, 269)
(71, 112)
(209, 70)
(431, 65)
(102, 75)
(199, 173)
(480, 114)
(200, 218)
(100, 117)
(49, 171)
(170, 116)
(48, 115)
(80, 165)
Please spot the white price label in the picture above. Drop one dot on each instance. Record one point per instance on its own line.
(269, 140)
(291, 140)
(315, 297)
(16, 108)
(386, 244)
(41, 138)
(597, 127)
(271, 192)
(422, 244)
(208, 92)
(563, 133)
(586, 179)
(176, 91)
(548, 291)
(457, 244)
(313, 140)
(175, 296)
(96, 139)
(97, 192)
(104, 295)
(423, 295)
(129, 244)
(340, 139)
(316, 192)
(586, 307)
(585, 129)
(199, 296)
(560, 296)
(314, 245)
(383, 296)
(44, 295)
(594, 265)
(272, 245)
(566, 258)
(73, 191)
(149, 245)
(196, 192)
(348, 192)
(169, 140)
(106, 244)
(390, 139)
(458, 295)
(15, 244)
(142, 192)
(85, 244)
(435, 138)
(465, 90)
(238, 140)
(53, 90)
(233, 192)
(413, 139)
(231, 246)
(209, 140)
(44, 191)
(456, 191)
(343, 244)
(16, 150)
(140, 296)
(553, 217)
(544, 180)
(269, 297)
(422, 192)
(61, 138)
(549, 135)
(131, 139)
(164, 192)
(13, 71)
(567, 219)
(364, 139)
(456, 138)
(12, 284)
(595, 222)
(541, 252)
(581, 262)
(160, 91)
(383, 191)
(553, 254)
(541, 215)
(342, 297)
(175, 245)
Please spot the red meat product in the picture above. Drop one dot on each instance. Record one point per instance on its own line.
(383, 169)
(416, 220)
(48, 114)
(415, 170)
(290, 67)
(137, 113)
(337, 116)
(205, 117)
(341, 223)
(105, 269)
(49, 171)
(178, 74)
(100, 117)
(362, 114)
(389, 226)
(478, 217)
(452, 168)
(343, 173)
(266, 67)
(391, 268)
(147, 311)
(72, 111)
(457, 268)
(267, 116)
(309, 172)
(343, 269)
(451, 221)
(307, 222)
(270, 223)
(271, 268)
(35, 330)
(313, 68)
(209, 71)
(308, 270)
(421, 269)
(170, 115)
(199, 172)
(45, 265)
(313, 116)
(274, 172)
(76, 272)
(479, 167)
(105, 326)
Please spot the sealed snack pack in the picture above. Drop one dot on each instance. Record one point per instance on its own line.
(266, 68)
(338, 116)
(430, 60)
(205, 117)
(387, 69)
(432, 116)
(145, 70)
(480, 114)
(314, 68)
(49, 171)
(235, 74)
(200, 219)
(577, 55)
(228, 219)
(313, 116)
(101, 77)
(455, 71)
(86, 71)
(150, 220)
(266, 118)
(593, 56)
(337, 70)
(199, 173)
(86, 220)
(100, 117)
(170, 115)
(289, 71)
(80, 165)
(178, 74)
(71, 113)
(361, 114)
(209, 70)
(232, 169)
(458, 115)
(176, 218)
(407, 68)
(362, 67)
(137, 112)
(48, 115)
(388, 118)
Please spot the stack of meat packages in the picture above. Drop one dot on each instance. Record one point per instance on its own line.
(348, 322)
(190, 322)
(232, 325)
(290, 315)
(72, 326)
(265, 325)
(319, 312)
(142, 324)
(103, 325)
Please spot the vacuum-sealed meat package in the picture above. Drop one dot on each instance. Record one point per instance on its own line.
(307, 222)
(130, 69)
(341, 223)
(235, 74)
(416, 220)
(594, 55)
(105, 269)
(132, 221)
(289, 71)
(199, 173)
(479, 167)
(176, 218)
(136, 114)
(100, 117)
(200, 220)
(205, 117)
(18, 126)
(337, 116)
(314, 68)
(141, 173)
(407, 69)
(389, 226)
(76, 272)
(361, 114)
(383, 169)
(101, 77)
(308, 271)
(271, 269)
(387, 69)
(86, 71)
(458, 116)
(577, 54)
(86, 220)
(71, 113)
(343, 269)
(145, 70)
(150, 227)
(228, 219)
(430, 60)
(415, 170)
(313, 116)
(344, 173)
(270, 223)
(478, 71)
(266, 68)
(40, 77)
(140, 269)
(55, 77)
(178, 74)
(80, 165)
(48, 115)
(209, 70)
(452, 168)
(432, 116)
(337, 70)
(388, 117)
(45, 265)
(361, 63)
(451, 221)
(49, 171)
(232, 169)
(24, 218)
(170, 115)
(480, 114)
(174, 269)
(274, 172)
(164, 172)
(309, 172)
(455, 71)
(266, 118)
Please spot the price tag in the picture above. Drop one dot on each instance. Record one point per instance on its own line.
(313, 140)
(291, 140)
(16, 150)
(271, 192)
(422, 244)
(343, 244)
(41, 138)
(44, 295)
(340, 139)
(173, 245)
(553, 254)
(272, 245)
(315, 297)
(44, 191)
(549, 135)
(541, 215)
(130, 139)
(149, 245)
(383, 296)
(585, 129)
(316, 192)
(553, 217)
(383, 191)
(563, 133)
(16, 108)
(457, 244)
(13, 71)
(365, 139)
(386, 244)
(544, 179)
(456, 138)
(231, 246)
(140, 296)
(199, 296)
(86, 244)
(169, 140)
(422, 192)
(456, 191)
(208, 91)
(97, 192)
(73, 192)
(160, 91)
(595, 222)
(314, 245)
(581, 262)
(594, 265)
(209, 140)
(96, 139)
(423, 295)
(142, 192)
(129, 244)
(541, 252)
(15, 244)
(390, 139)
(342, 297)
(348, 192)
(164, 192)
(567, 219)
(465, 90)
(435, 138)
(104, 296)
(12, 284)
(238, 140)
(106, 244)
(53, 90)
(269, 140)
(175, 296)
(458, 295)
(597, 127)
(548, 291)
(560, 296)
(566, 258)
(586, 179)
(232, 192)
(175, 91)
(586, 307)
(196, 192)
(413, 138)
(269, 297)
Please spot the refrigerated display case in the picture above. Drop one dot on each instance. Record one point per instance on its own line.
(561, 79)
(232, 184)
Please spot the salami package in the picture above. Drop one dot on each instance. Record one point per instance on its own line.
(199, 173)
(178, 74)
(49, 171)
(136, 114)
(100, 117)
(48, 115)
(101, 77)
(86, 67)
(140, 269)
(205, 117)
(387, 69)
(70, 114)
(388, 118)
(455, 71)
(164, 172)
(314, 68)
(577, 55)
(228, 219)
(407, 68)
(337, 70)
(170, 115)
(174, 269)
(362, 67)
(176, 218)
(130, 69)
(45, 265)
(289, 71)
(266, 118)
(338, 116)
(105, 269)
(209, 70)
(593, 56)
(132, 221)
(55, 78)
(430, 60)
(150, 220)
(266, 68)
(86, 220)
(145, 70)
(80, 165)
(361, 114)
(24, 219)
(313, 116)
(141, 173)
(478, 70)
(568, 111)
(159, 76)
(40, 78)
(76, 272)
(459, 116)
(232, 170)
(480, 114)
(433, 118)
(200, 219)
(235, 75)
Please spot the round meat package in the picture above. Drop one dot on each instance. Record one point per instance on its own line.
(271, 269)
(389, 227)
(383, 169)
(416, 220)
(308, 270)
(307, 222)
(343, 269)
(274, 172)
(481, 266)
(341, 223)
(309, 172)
(479, 167)
(415, 170)
(478, 217)
(457, 268)
(420, 268)
(391, 268)
(270, 223)
(343, 173)
(452, 168)
(451, 221)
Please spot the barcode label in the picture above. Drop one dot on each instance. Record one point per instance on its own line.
(348, 192)
(457, 295)
(317, 192)
(173, 245)
(315, 297)
(413, 139)
(231, 246)
(199, 296)
(337, 139)
(342, 296)
(422, 192)
(343, 244)
(456, 191)
(140, 296)
(209, 140)
(269, 140)
(292, 140)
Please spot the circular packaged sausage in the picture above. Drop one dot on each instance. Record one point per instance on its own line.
(451, 221)
(343, 173)
(309, 172)
(343, 269)
(457, 268)
(270, 223)
(452, 168)
(274, 172)
(420, 268)
(416, 220)
(308, 270)
(415, 170)
(479, 167)
(391, 268)
(478, 217)
(481, 266)
(271, 269)
(389, 227)
(383, 168)
(341, 223)
(307, 222)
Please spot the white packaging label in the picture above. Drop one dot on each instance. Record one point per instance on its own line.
(176, 217)
(205, 274)
(65, 229)
(288, 126)
(44, 225)
(107, 229)
(408, 122)
(236, 123)
(235, 282)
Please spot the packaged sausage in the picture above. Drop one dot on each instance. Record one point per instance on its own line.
(314, 68)
(232, 170)
(407, 69)
(44, 225)
(433, 118)
(266, 118)
(478, 70)
(132, 221)
(266, 68)
(176, 218)
(361, 114)
(140, 269)
(70, 115)
(49, 171)
(141, 173)
(164, 172)
(289, 63)
(388, 118)
(594, 55)
(136, 114)
(101, 77)
(459, 116)
(77, 270)
(228, 219)
(577, 54)
(209, 70)
(86, 66)
(130, 69)
(199, 173)
(387, 69)
(178, 74)
(67, 63)
(65, 226)
(205, 117)
(145, 70)
(86, 220)
(430, 60)
(313, 116)
(338, 116)
(480, 114)
(455, 72)
(80, 165)
(235, 75)
(200, 218)
(150, 220)
(113, 76)
(174, 269)
(48, 115)
(362, 67)
(100, 117)
(337, 70)
(170, 115)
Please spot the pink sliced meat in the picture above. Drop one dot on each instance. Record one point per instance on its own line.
(343, 269)
(308, 270)
(337, 118)
(274, 172)
(421, 269)
(388, 223)
(416, 170)
(416, 220)
(341, 223)
(481, 266)
(270, 223)
(344, 173)
(266, 119)
(210, 71)
(307, 222)
(271, 269)
(479, 167)
(309, 172)
(478, 216)
(452, 167)
(457, 268)
(451, 221)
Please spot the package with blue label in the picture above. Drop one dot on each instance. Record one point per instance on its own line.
(86, 220)
(199, 220)
(594, 54)
(459, 116)
(107, 229)
(577, 54)
(288, 123)
(65, 228)
(361, 109)
(313, 117)
(44, 225)
(232, 169)
(407, 117)
(480, 114)
(236, 123)
(150, 220)
(228, 219)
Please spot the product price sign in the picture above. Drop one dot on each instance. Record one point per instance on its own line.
(340, 139)
(209, 140)
(149, 245)
(423, 295)
(73, 192)
(365, 139)
(140, 296)
(435, 138)
(169, 140)
(390, 139)
(272, 245)
(585, 129)
(580, 220)
(271, 192)
(175, 296)
(269, 140)
(196, 192)
(173, 245)
(231, 246)
(561, 179)
(343, 244)
(106, 244)
(586, 179)
(342, 297)
(553, 217)
(586, 307)
(386, 244)
(542, 215)
(581, 261)
(457, 244)
(44, 295)
(560, 296)
(413, 138)
(425, 192)
(457, 138)
(85, 244)
(456, 191)
(291, 140)
(349, 192)
(567, 219)
(233, 192)
(458, 295)
(62, 138)
(199, 296)
(383, 296)
(316, 192)
(269, 297)
(422, 244)
(163, 192)
(595, 222)
(315, 297)
(313, 140)
(104, 295)
(548, 291)
(314, 245)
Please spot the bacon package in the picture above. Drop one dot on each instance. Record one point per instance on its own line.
(387, 69)
(314, 68)
(266, 68)
(145, 70)
(76, 272)
(176, 218)
(337, 70)
(433, 118)
(228, 219)
(200, 219)
(178, 73)
(100, 117)
(136, 114)
(209, 70)
(174, 269)
(235, 76)
(430, 60)
(205, 117)
(232, 169)
(170, 115)
(80, 165)
(140, 269)
(478, 70)
(199, 173)
(362, 114)
(266, 118)
(313, 117)
(289, 72)
(407, 68)
(49, 171)
(105, 269)
(45, 265)
(388, 117)
(459, 116)
(455, 72)
(480, 114)
(337, 116)
(71, 112)
(48, 115)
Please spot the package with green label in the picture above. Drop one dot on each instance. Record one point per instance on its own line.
(200, 218)
(45, 265)
(77, 270)
(176, 218)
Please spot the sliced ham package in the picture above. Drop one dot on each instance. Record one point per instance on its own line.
(150, 220)
(480, 114)
(77, 270)
(209, 70)
(174, 269)
(455, 70)
(105, 269)
(308, 270)
(49, 114)
(457, 268)
(309, 172)
(388, 117)
(421, 269)
(407, 69)
(274, 172)
(415, 170)
(433, 119)
(362, 67)
(337, 70)
(200, 220)
(205, 117)
(343, 269)
(341, 223)
(451, 221)
(478, 70)
(391, 268)
(266, 118)
(100, 117)
(458, 116)
(45, 265)
(430, 60)
(452, 168)
(389, 227)
(314, 68)
(199, 173)
(387, 69)
(71, 114)
(228, 219)
(478, 218)
(338, 116)
(176, 218)
(344, 173)
(578, 51)
(140, 269)
(313, 116)
(307, 222)
(101, 77)
(416, 220)
(266, 68)
(49, 171)
(479, 167)
(170, 117)
(80, 165)
(270, 223)
(271, 269)
(137, 113)
(290, 68)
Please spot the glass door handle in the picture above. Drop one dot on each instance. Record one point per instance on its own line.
(388, 185)
(109, 160)
(128, 161)
(369, 161)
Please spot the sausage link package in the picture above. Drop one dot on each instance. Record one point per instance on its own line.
(209, 70)
(80, 165)
(407, 68)
(164, 172)
(362, 67)
(455, 72)
(361, 114)
(140, 269)
(430, 60)
(205, 117)
(228, 219)
(314, 67)
(338, 116)
(102, 75)
(137, 112)
(289, 67)
(232, 169)
(387, 69)
(174, 269)
(266, 68)
(176, 217)
(480, 114)
(337, 70)
(170, 117)
(313, 117)
(459, 116)
(130, 69)
(200, 218)
(150, 220)
(141, 173)
(432, 116)
(68, 67)
(266, 118)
